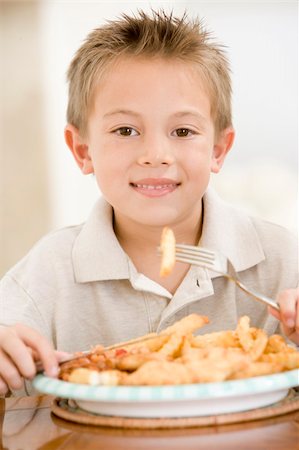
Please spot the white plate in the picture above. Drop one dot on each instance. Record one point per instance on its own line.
(187, 400)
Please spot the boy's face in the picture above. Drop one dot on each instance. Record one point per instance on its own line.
(151, 141)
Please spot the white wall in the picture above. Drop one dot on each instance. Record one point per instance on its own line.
(261, 37)
(261, 171)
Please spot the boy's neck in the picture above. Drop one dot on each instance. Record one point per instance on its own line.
(141, 242)
(138, 235)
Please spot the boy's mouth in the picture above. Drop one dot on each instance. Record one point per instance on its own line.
(154, 187)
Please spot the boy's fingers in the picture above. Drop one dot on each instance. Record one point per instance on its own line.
(9, 374)
(274, 312)
(60, 356)
(13, 348)
(63, 356)
(43, 348)
(288, 309)
(287, 301)
(3, 387)
(15, 343)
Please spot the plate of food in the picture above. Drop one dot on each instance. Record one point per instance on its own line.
(177, 373)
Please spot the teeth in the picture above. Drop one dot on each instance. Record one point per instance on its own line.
(151, 187)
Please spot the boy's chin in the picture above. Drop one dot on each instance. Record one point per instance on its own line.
(157, 218)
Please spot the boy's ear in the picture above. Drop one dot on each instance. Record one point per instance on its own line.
(221, 148)
(79, 149)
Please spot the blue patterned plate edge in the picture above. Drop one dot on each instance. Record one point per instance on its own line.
(230, 388)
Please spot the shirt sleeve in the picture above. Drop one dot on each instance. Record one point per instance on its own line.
(17, 306)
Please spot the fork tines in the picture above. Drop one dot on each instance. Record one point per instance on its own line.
(192, 255)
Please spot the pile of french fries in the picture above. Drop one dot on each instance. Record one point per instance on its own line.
(177, 356)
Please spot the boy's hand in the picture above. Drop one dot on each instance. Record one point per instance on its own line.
(288, 301)
(20, 347)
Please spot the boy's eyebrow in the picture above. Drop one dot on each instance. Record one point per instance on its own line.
(121, 111)
(178, 114)
(196, 114)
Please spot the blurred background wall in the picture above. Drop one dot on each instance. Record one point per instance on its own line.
(41, 187)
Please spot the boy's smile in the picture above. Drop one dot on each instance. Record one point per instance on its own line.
(151, 141)
(154, 187)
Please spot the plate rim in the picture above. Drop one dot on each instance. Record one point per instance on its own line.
(168, 393)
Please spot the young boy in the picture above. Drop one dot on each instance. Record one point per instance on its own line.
(149, 114)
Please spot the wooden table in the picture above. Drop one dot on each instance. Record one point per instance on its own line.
(27, 424)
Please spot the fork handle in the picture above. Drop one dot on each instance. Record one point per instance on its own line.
(258, 296)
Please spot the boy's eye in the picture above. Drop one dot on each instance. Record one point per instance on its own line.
(183, 132)
(126, 131)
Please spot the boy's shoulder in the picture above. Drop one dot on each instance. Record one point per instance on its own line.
(245, 239)
(52, 250)
(61, 238)
(57, 241)
(54, 254)
(276, 239)
(271, 230)
(230, 221)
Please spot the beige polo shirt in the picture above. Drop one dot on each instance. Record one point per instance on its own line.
(79, 288)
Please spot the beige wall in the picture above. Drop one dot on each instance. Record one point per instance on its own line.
(24, 214)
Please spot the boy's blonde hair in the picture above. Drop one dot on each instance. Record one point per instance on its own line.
(157, 35)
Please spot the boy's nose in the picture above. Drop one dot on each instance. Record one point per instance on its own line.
(155, 154)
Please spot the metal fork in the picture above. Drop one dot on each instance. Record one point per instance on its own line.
(86, 353)
(218, 263)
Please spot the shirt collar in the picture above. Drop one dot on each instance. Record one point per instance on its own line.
(97, 254)
(231, 232)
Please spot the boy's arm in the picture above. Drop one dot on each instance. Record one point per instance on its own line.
(24, 337)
